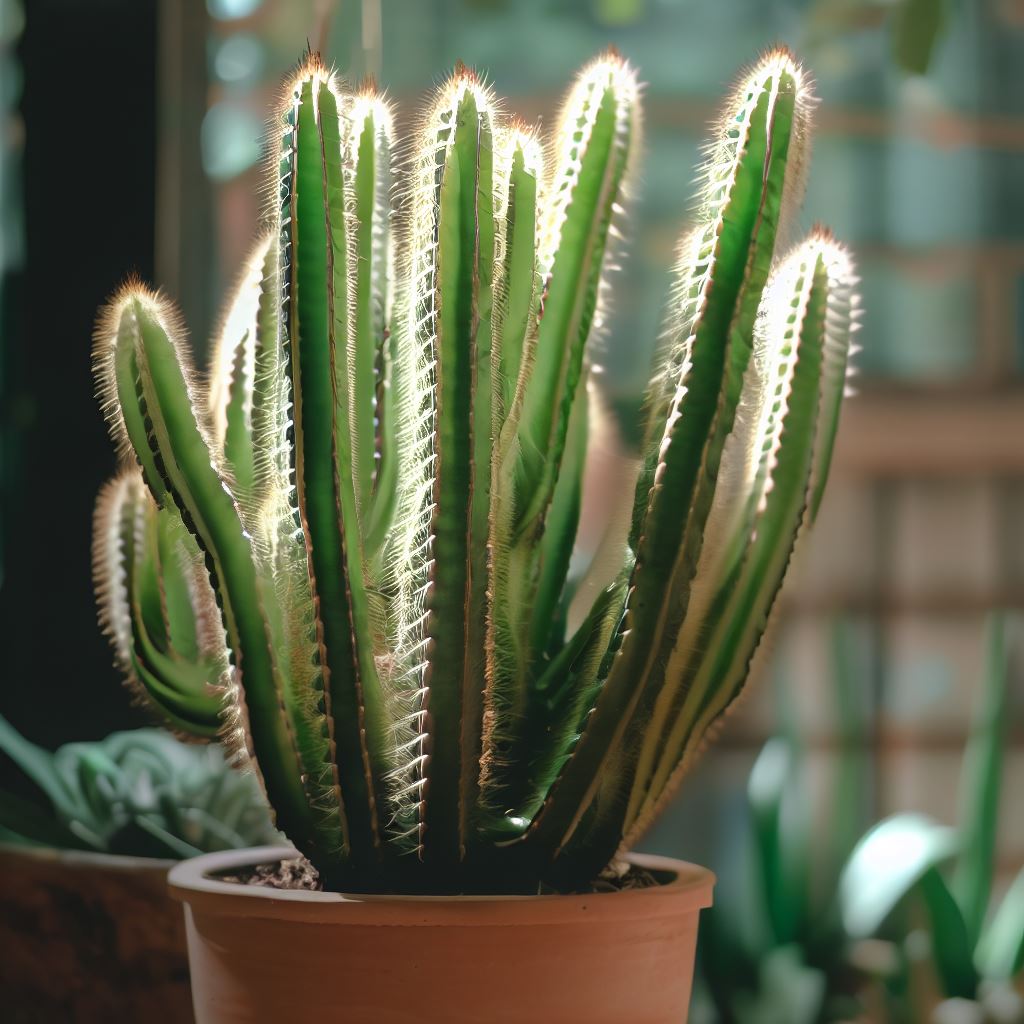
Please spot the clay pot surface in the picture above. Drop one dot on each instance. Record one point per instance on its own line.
(267, 955)
(88, 937)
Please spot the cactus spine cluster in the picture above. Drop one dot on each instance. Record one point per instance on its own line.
(382, 480)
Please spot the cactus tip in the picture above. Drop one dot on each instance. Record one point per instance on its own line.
(772, 63)
(836, 257)
(610, 65)
(311, 68)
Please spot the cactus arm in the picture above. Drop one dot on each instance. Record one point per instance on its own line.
(596, 137)
(559, 698)
(117, 375)
(231, 399)
(176, 685)
(317, 316)
(515, 304)
(147, 577)
(626, 802)
(186, 597)
(811, 287)
(456, 221)
(748, 188)
(559, 535)
(841, 325)
(273, 520)
(371, 145)
(368, 154)
(271, 396)
(182, 452)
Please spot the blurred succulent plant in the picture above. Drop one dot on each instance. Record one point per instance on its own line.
(773, 947)
(384, 479)
(899, 869)
(813, 914)
(140, 793)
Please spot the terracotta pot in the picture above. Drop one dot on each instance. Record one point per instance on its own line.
(261, 955)
(89, 937)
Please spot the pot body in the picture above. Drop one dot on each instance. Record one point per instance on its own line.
(89, 938)
(263, 955)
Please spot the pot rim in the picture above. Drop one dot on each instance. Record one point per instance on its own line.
(191, 883)
(88, 858)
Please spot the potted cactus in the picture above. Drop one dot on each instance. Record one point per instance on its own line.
(458, 726)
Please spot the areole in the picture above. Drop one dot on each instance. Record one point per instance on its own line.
(260, 955)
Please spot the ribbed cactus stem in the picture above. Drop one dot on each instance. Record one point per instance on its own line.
(801, 344)
(518, 185)
(452, 303)
(543, 440)
(157, 608)
(318, 257)
(368, 151)
(180, 448)
(232, 381)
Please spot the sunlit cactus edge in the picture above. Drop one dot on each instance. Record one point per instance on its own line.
(348, 551)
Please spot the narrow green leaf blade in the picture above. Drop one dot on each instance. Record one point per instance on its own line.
(981, 783)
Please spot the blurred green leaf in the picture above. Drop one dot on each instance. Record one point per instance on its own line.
(848, 795)
(140, 793)
(23, 821)
(886, 865)
(1000, 951)
(781, 824)
(916, 28)
(951, 944)
(36, 763)
(790, 992)
(980, 785)
(618, 12)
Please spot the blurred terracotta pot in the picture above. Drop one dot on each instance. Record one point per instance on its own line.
(88, 937)
(261, 955)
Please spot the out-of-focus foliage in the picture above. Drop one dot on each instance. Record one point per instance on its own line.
(904, 932)
(926, 889)
(773, 948)
(140, 793)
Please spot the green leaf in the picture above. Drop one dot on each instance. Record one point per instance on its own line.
(886, 865)
(24, 821)
(917, 26)
(951, 943)
(38, 765)
(1000, 951)
(980, 785)
(776, 800)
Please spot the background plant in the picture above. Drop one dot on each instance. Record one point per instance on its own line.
(926, 888)
(384, 476)
(830, 925)
(140, 793)
(773, 947)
